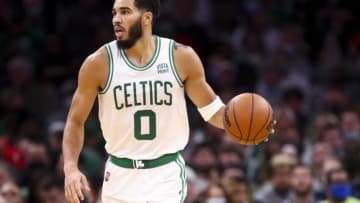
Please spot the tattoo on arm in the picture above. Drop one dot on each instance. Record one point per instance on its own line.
(179, 45)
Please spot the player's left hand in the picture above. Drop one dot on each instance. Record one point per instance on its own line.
(75, 184)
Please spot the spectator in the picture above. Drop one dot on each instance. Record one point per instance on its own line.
(231, 161)
(301, 186)
(52, 190)
(285, 118)
(215, 193)
(352, 165)
(54, 139)
(238, 189)
(278, 189)
(204, 162)
(350, 123)
(10, 191)
(291, 151)
(6, 173)
(293, 137)
(321, 153)
(334, 138)
(2, 200)
(322, 122)
(229, 155)
(294, 98)
(330, 163)
(194, 186)
(338, 187)
(269, 86)
(335, 100)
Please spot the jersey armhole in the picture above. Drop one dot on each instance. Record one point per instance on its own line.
(110, 69)
(172, 63)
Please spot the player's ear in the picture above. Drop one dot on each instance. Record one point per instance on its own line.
(147, 18)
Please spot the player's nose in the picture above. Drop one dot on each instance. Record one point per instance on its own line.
(117, 19)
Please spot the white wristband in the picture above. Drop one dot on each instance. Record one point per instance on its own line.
(209, 110)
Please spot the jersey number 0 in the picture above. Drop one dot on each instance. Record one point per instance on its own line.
(145, 119)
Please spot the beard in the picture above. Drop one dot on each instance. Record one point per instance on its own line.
(135, 33)
(303, 192)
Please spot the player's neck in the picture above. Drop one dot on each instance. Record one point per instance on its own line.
(142, 51)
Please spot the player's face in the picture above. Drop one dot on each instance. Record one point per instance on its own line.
(127, 23)
(134, 34)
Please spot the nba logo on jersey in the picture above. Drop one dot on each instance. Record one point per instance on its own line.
(107, 176)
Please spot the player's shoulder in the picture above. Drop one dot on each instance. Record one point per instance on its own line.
(187, 61)
(96, 62)
(95, 66)
(181, 48)
(184, 53)
(98, 57)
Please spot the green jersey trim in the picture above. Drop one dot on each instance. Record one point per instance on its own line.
(151, 62)
(172, 63)
(110, 70)
(182, 178)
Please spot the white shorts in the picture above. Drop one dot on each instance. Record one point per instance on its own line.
(163, 184)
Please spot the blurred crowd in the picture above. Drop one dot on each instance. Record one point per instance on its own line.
(303, 56)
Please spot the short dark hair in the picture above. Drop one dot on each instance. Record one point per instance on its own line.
(149, 5)
(330, 174)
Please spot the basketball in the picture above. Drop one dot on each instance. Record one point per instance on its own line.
(247, 118)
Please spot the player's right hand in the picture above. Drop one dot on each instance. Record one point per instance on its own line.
(271, 128)
(75, 184)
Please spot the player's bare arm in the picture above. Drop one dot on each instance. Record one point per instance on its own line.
(192, 73)
(92, 76)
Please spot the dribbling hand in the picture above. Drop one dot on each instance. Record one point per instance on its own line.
(75, 184)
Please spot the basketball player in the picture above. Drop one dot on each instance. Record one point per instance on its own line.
(139, 80)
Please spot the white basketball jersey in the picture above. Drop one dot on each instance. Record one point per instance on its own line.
(142, 111)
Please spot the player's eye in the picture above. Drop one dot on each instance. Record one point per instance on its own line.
(125, 12)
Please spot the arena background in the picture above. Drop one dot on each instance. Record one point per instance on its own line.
(303, 56)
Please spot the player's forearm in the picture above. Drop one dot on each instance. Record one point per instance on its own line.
(72, 144)
(217, 119)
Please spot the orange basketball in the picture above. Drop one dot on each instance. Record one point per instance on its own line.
(247, 118)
